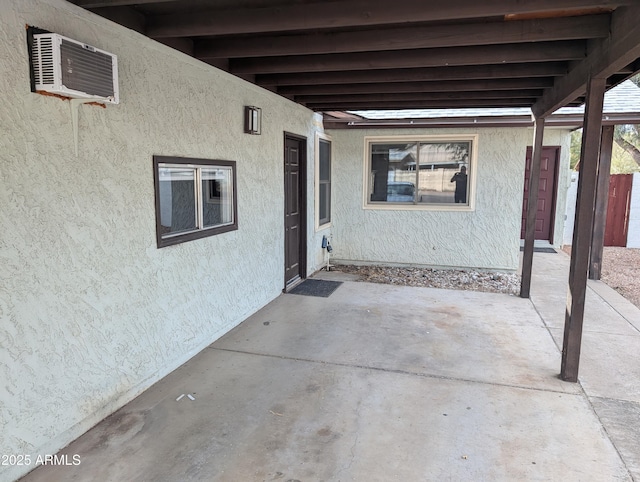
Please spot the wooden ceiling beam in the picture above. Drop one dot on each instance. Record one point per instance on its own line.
(424, 104)
(402, 38)
(114, 3)
(624, 74)
(418, 96)
(182, 44)
(565, 36)
(125, 16)
(605, 58)
(348, 13)
(222, 64)
(453, 86)
(479, 55)
(499, 71)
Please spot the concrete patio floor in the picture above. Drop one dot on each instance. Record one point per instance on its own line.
(381, 383)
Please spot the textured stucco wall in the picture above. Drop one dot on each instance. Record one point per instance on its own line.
(487, 237)
(633, 235)
(570, 214)
(91, 311)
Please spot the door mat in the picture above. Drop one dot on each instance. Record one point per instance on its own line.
(316, 287)
(540, 250)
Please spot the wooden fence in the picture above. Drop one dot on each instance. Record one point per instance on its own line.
(618, 207)
(623, 211)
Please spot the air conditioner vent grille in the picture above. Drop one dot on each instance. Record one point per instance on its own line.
(86, 70)
(43, 61)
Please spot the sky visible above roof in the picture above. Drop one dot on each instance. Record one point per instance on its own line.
(622, 99)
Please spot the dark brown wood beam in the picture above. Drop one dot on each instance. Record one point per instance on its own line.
(222, 64)
(499, 71)
(348, 13)
(630, 69)
(452, 86)
(559, 13)
(114, 3)
(125, 16)
(184, 45)
(606, 57)
(602, 201)
(417, 96)
(424, 104)
(248, 77)
(402, 38)
(532, 207)
(479, 55)
(591, 135)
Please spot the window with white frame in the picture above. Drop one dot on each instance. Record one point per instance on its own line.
(432, 172)
(195, 198)
(323, 180)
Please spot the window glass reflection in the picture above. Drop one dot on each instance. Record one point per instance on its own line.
(393, 172)
(217, 187)
(443, 175)
(177, 200)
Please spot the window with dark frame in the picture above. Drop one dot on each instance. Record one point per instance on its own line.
(195, 198)
(428, 172)
(324, 181)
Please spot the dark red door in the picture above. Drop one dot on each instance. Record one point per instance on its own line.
(618, 205)
(294, 219)
(546, 192)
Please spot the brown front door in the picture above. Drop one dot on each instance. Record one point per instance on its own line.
(546, 192)
(294, 210)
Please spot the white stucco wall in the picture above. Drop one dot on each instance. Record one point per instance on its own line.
(633, 235)
(487, 237)
(570, 216)
(92, 313)
(561, 138)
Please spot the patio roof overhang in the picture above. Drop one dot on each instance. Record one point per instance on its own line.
(346, 55)
(358, 54)
(571, 121)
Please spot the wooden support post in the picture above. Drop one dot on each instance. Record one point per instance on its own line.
(532, 208)
(582, 230)
(602, 198)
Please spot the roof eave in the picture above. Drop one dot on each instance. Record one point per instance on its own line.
(556, 120)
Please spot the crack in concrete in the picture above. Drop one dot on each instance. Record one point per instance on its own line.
(544, 322)
(355, 442)
(398, 371)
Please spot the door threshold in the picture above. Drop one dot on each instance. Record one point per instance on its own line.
(292, 284)
(538, 243)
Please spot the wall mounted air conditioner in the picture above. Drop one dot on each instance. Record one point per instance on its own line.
(72, 69)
